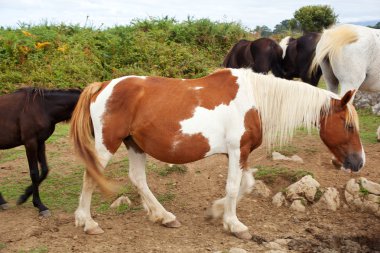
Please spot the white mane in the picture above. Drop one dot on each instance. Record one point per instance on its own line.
(286, 105)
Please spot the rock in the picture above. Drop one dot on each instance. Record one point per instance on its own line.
(278, 199)
(277, 156)
(237, 250)
(307, 187)
(370, 186)
(298, 206)
(352, 187)
(273, 245)
(364, 195)
(121, 200)
(330, 199)
(296, 158)
(261, 190)
(376, 109)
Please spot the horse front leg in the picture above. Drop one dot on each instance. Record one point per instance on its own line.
(44, 172)
(32, 154)
(246, 187)
(230, 220)
(3, 204)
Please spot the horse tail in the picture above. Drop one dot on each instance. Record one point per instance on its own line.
(81, 133)
(331, 43)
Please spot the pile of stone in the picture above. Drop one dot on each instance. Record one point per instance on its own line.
(307, 191)
(363, 195)
(364, 99)
(360, 194)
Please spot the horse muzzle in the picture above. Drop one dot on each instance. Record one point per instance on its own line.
(353, 162)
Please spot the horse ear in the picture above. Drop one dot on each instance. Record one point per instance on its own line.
(347, 97)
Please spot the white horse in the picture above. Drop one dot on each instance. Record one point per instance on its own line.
(349, 55)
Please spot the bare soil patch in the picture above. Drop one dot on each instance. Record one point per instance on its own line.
(193, 192)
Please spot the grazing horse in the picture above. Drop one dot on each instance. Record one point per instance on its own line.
(298, 56)
(230, 111)
(261, 55)
(349, 55)
(28, 117)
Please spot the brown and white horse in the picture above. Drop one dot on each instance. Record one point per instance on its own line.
(178, 121)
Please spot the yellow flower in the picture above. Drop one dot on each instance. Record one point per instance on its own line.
(42, 44)
(24, 49)
(63, 48)
(26, 33)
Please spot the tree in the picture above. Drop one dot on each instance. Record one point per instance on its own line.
(264, 31)
(282, 27)
(313, 18)
(377, 26)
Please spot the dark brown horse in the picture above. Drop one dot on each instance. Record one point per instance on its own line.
(28, 117)
(298, 56)
(261, 55)
(231, 111)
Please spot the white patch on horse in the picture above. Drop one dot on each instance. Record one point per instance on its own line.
(97, 109)
(223, 125)
(284, 45)
(198, 88)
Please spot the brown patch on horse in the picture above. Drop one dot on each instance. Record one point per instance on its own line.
(342, 116)
(144, 109)
(252, 137)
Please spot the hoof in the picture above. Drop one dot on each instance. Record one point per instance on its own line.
(4, 206)
(245, 235)
(95, 231)
(45, 213)
(173, 224)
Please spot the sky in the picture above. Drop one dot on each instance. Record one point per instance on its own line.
(107, 13)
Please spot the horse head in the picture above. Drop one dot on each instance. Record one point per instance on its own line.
(339, 130)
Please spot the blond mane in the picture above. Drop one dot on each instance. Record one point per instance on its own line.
(331, 43)
(287, 105)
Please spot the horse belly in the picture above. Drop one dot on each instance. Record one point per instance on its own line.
(193, 141)
(172, 148)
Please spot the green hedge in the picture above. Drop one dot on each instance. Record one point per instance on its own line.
(63, 56)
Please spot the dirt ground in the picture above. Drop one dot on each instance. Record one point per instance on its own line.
(315, 230)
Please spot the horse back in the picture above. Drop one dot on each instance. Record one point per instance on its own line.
(153, 111)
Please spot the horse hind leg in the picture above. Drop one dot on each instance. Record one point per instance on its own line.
(83, 212)
(156, 212)
(246, 187)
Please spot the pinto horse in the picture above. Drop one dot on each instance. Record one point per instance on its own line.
(297, 57)
(261, 55)
(349, 55)
(28, 117)
(178, 121)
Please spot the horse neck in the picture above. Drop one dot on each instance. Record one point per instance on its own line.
(60, 105)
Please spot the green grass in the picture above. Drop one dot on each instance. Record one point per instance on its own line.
(2, 245)
(166, 169)
(269, 174)
(8, 155)
(287, 150)
(61, 131)
(368, 125)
